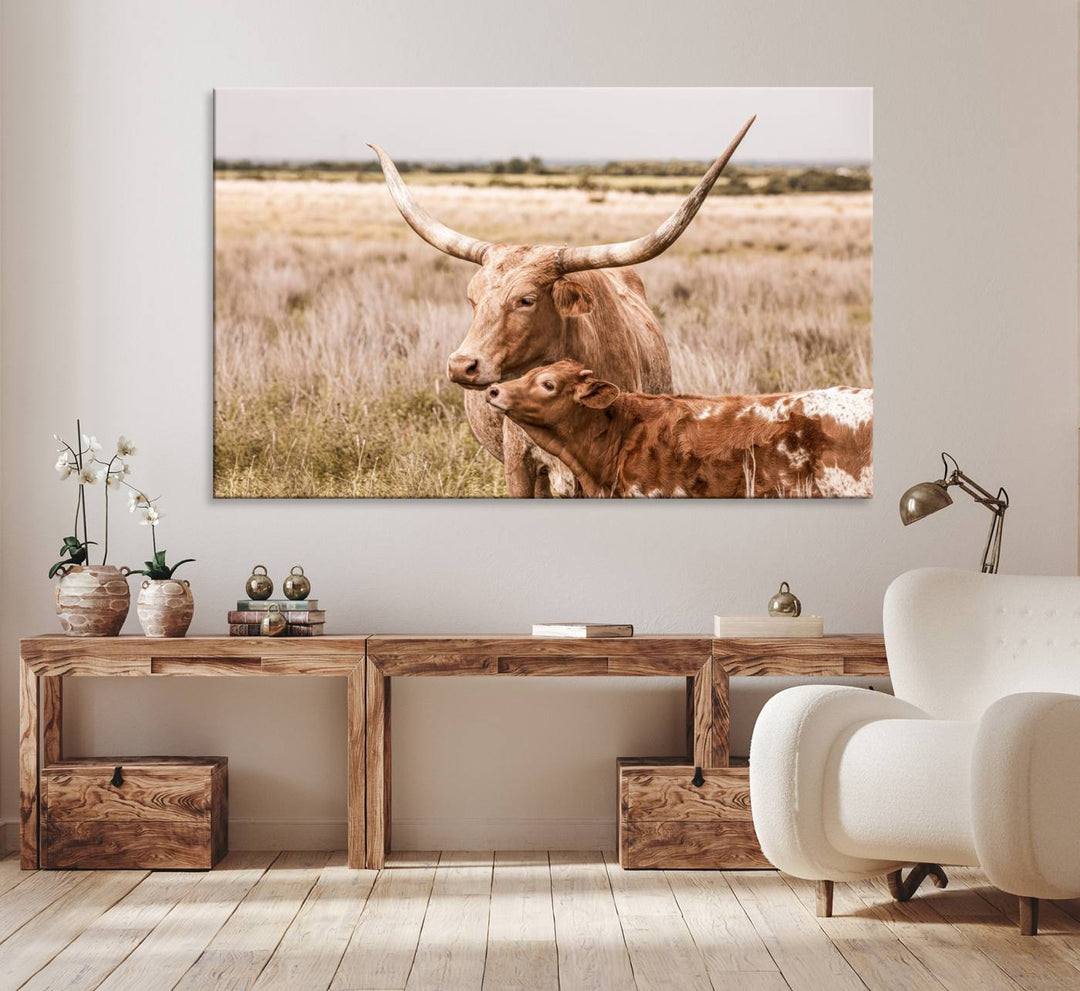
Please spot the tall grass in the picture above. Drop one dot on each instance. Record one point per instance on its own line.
(333, 321)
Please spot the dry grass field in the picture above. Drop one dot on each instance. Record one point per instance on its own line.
(333, 321)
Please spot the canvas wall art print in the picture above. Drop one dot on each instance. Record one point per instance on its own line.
(543, 293)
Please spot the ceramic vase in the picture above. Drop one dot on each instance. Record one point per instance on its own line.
(165, 607)
(93, 600)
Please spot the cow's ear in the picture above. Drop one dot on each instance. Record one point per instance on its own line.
(572, 299)
(596, 393)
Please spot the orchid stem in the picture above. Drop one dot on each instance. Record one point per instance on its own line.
(82, 496)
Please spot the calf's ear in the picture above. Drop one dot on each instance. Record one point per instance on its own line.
(596, 393)
(571, 299)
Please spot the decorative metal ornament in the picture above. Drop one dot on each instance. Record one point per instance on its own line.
(274, 622)
(784, 603)
(260, 585)
(296, 586)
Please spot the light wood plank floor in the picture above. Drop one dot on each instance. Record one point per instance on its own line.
(501, 921)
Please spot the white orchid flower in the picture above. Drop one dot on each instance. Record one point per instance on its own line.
(150, 517)
(115, 480)
(124, 469)
(90, 444)
(124, 447)
(90, 473)
(64, 466)
(136, 500)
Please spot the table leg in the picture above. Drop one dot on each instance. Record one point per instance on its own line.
(721, 715)
(710, 715)
(29, 777)
(356, 816)
(52, 719)
(378, 765)
(690, 682)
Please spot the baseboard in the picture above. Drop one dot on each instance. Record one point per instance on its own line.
(9, 836)
(407, 834)
(287, 834)
(503, 834)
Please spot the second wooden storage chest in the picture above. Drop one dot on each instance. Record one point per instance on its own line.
(670, 817)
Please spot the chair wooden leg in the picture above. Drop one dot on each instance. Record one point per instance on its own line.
(1029, 916)
(902, 888)
(824, 895)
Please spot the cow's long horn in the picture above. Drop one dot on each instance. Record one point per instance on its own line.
(437, 234)
(651, 245)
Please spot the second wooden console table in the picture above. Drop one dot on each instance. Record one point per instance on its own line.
(367, 663)
(705, 663)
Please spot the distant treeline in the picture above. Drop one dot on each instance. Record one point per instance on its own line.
(737, 180)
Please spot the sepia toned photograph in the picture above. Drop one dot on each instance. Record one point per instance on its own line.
(533, 293)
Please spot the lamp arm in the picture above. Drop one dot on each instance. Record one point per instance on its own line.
(992, 550)
(998, 503)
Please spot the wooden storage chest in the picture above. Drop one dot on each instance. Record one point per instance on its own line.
(668, 821)
(165, 813)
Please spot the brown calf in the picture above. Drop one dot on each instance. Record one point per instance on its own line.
(816, 444)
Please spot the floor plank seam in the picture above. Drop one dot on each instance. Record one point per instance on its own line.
(487, 933)
(60, 894)
(622, 929)
(914, 948)
(84, 928)
(839, 949)
(194, 963)
(427, 908)
(285, 929)
(554, 928)
(142, 938)
(352, 931)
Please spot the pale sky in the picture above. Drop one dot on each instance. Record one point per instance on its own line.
(454, 124)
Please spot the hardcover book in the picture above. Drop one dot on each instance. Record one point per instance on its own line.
(295, 617)
(285, 605)
(255, 630)
(582, 630)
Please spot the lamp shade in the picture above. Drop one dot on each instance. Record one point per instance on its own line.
(922, 500)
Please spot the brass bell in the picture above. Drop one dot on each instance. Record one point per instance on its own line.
(296, 586)
(260, 585)
(784, 603)
(273, 623)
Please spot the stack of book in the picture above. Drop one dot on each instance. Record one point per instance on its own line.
(303, 617)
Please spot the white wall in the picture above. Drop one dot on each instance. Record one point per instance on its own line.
(106, 313)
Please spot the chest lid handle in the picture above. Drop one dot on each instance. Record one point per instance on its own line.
(697, 780)
(117, 777)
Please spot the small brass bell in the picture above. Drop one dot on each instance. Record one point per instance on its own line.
(273, 623)
(784, 603)
(260, 585)
(296, 586)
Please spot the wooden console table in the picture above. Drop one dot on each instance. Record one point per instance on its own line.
(369, 662)
(47, 660)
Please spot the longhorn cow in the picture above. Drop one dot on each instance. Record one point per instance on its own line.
(536, 304)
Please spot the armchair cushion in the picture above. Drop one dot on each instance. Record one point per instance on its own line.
(791, 758)
(900, 789)
(1026, 794)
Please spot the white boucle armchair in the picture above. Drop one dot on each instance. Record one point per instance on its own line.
(975, 761)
